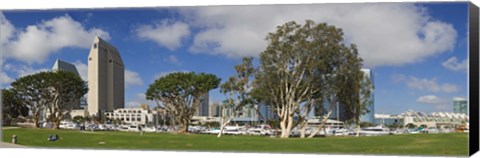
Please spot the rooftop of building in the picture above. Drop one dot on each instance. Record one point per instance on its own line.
(65, 66)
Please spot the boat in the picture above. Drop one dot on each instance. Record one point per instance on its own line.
(234, 130)
(374, 131)
(339, 132)
(260, 130)
(212, 131)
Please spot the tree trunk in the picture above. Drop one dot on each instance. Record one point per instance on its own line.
(358, 130)
(325, 131)
(303, 130)
(324, 121)
(222, 128)
(283, 128)
(182, 128)
(289, 126)
(225, 124)
(57, 123)
(35, 122)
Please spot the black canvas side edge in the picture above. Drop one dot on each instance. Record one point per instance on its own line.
(473, 98)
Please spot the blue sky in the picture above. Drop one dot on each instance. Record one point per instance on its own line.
(418, 52)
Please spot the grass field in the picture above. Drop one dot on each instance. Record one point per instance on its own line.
(453, 144)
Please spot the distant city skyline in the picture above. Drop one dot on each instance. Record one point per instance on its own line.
(417, 51)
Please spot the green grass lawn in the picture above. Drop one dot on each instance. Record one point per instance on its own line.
(453, 144)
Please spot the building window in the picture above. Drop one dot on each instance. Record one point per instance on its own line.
(90, 58)
(110, 60)
(138, 119)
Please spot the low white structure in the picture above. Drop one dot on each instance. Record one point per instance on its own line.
(435, 119)
(132, 116)
(78, 112)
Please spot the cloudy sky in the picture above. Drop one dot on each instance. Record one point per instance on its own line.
(418, 51)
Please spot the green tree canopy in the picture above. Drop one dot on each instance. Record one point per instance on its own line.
(181, 93)
(12, 107)
(54, 91)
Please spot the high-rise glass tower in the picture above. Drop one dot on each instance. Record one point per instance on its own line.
(370, 115)
(460, 105)
(203, 108)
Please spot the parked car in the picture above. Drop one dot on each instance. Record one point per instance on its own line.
(133, 128)
(72, 126)
(431, 130)
(233, 130)
(122, 128)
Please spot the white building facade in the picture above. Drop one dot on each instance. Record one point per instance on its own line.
(435, 119)
(132, 116)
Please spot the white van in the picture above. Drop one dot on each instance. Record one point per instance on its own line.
(133, 128)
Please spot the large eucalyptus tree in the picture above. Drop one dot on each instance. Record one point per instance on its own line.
(238, 88)
(301, 69)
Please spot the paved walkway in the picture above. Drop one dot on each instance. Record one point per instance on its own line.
(10, 145)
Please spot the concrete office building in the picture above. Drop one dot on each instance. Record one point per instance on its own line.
(214, 110)
(133, 116)
(106, 80)
(460, 105)
(64, 66)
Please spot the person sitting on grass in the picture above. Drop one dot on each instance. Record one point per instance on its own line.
(53, 138)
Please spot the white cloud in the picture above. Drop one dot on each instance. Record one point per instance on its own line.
(140, 99)
(161, 74)
(5, 79)
(82, 69)
(133, 104)
(6, 29)
(132, 78)
(36, 42)
(22, 70)
(429, 99)
(431, 85)
(437, 102)
(397, 78)
(386, 34)
(172, 59)
(455, 65)
(141, 95)
(168, 35)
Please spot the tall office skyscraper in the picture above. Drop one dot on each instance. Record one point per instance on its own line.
(369, 116)
(460, 105)
(106, 80)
